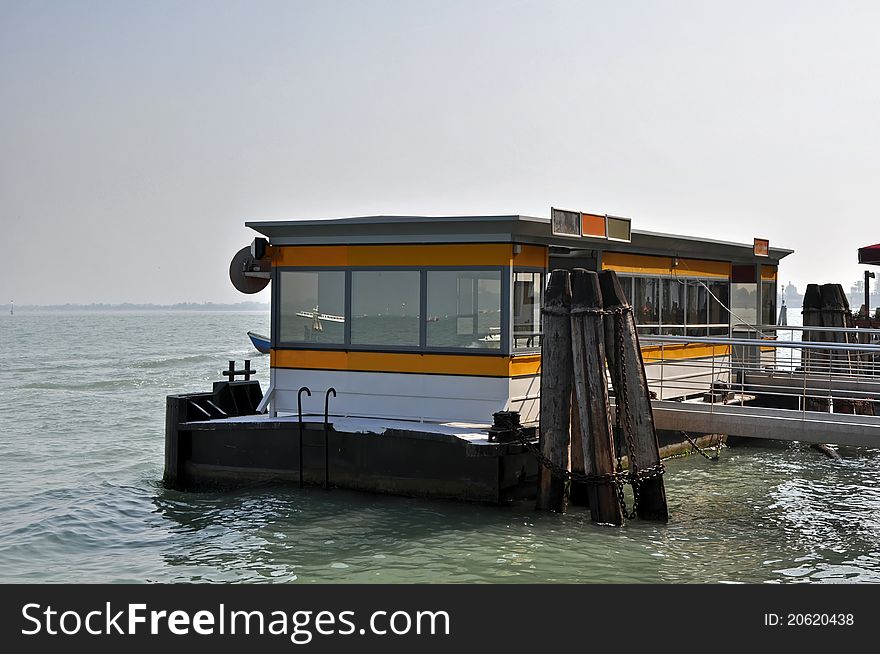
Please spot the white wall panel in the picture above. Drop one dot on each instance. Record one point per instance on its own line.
(432, 398)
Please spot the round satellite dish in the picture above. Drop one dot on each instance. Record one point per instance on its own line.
(242, 261)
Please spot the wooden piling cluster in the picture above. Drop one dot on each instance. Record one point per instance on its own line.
(587, 323)
(826, 305)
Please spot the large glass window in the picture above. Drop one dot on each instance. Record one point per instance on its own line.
(385, 307)
(697, 312)
(744, 303)
(527, 290)
(646, 304)
(312, 306)
(672, 308)
(768, 302)
(464, 309)
(678, 306)
(718, 313)
(626, 284)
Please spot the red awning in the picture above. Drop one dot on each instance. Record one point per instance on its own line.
(870, 254)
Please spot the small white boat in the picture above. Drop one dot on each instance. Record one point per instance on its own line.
(316, 316)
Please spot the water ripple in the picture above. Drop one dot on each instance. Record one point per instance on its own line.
(82, 498)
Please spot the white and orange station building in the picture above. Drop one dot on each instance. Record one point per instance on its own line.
(437, 319)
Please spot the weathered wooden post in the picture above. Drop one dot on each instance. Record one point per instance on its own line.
(633, 402)
(813, 361)
(555, 390)
(822, 307)
(591, 396)
(839, 315)
(578, 491)
(834, 309)
(812, 316)
(859, 359)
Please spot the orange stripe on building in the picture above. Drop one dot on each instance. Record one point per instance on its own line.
(532, 256)
(525, 365)
(458, 364)
(383, 256)
(683, 351)
(394, 362)
(650, 265)
(768, 273)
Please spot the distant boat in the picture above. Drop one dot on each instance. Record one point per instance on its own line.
(11, 308)
(316, 317)
(262, 343)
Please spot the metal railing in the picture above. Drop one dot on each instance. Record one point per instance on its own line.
(818, 368)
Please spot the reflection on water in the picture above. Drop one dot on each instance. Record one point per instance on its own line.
(81, 500)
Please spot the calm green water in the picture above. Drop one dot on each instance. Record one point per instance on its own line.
(81, 431)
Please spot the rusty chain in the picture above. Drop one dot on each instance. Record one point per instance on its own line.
(620, 477)
(635, 476)
(622, 403)
(559, 471)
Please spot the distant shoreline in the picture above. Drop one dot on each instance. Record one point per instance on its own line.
(127, 306)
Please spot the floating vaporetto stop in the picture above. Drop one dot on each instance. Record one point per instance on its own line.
(406, 354)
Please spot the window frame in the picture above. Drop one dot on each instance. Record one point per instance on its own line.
(349, 322)
(772, 293)
(648, 329)
(657, 329)
(275, 318)
(504, 349)
(504, 316)
(535, 349)
(665, 282)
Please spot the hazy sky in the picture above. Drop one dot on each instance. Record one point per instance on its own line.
(137, 137)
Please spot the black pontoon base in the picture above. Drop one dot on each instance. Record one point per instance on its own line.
(217, 441)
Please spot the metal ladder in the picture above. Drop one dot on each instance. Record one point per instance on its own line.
(326, 444)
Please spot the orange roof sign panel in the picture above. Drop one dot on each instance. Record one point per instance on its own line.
(593, 225)
(762, 247)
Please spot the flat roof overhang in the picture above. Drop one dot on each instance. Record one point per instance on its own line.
(402, 230)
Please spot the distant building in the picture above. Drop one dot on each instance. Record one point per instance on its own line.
(790, 295)
(857, 296)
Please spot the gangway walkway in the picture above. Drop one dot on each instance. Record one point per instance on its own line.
(766, 423)
(757, 375)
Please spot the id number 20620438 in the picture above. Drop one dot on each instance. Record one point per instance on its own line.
(809, 619)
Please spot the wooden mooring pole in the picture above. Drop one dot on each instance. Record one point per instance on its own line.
(591, 397)
(836, 313)
(555, 390)
(827, 306)
(835, 308)
(632, 400)
(578, 491)
(812, 317)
